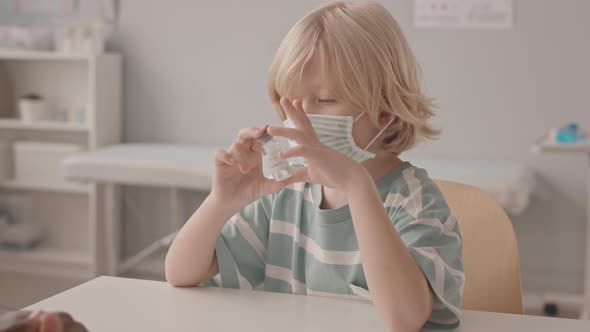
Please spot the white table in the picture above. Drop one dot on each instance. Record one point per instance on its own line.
(581, 148)
(173, 166)
(112, 304)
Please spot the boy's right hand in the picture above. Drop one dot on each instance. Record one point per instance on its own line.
(237, 177)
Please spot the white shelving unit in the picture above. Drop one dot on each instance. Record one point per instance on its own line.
(581, 148)
(72, 188)
(42, 125)
(44, 56)
(68, 212)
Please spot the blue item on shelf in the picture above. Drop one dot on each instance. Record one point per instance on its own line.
(572, 127)
(569, 134)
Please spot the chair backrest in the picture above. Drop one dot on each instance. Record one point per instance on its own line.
(490, 251)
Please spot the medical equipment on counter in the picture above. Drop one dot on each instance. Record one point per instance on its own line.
(40, 163)
(156, 165)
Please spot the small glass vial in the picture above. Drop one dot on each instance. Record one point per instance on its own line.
(278, 168)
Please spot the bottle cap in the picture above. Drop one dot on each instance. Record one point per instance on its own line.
(265, 138)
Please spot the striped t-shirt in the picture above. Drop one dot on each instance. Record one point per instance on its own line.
(285, 243)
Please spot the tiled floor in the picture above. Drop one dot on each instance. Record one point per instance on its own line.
(18, 291)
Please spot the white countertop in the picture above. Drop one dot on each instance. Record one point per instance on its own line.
(546, 146)
(161, 165)
(118, 304)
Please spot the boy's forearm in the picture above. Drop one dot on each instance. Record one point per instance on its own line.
(397, 285)
(190, 256)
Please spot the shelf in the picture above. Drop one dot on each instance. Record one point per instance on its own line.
(73, 188)
(42, 55)
(92, 82)
(545, 146)
(45, 261)
(41, 125)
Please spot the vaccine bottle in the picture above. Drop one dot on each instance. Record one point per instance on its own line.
(278, 168)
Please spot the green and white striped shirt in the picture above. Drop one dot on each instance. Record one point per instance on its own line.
(285, 243)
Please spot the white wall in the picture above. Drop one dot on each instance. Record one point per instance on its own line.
(195, 72)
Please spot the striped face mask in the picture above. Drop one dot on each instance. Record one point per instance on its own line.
(335, 131)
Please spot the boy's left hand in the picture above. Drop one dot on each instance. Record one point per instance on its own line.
(326, 166)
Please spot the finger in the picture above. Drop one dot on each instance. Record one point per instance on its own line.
(248, 137)
(296, 151)
(237, 152)
(292, 112)
(287, 105)
(250, 133)
(296, 113)
(224, 158)
(305, 121)
(69, 324)
(291, 133)
(298, 104)
(50, 322)
(65, 317)
(76, 327)
(245, 158)
(299, 175)
(256, 146)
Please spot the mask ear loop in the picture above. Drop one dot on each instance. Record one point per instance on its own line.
(358, 117)
(379, 134)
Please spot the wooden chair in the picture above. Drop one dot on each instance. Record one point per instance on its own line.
(490, 252)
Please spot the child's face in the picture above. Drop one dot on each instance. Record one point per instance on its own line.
(315, 92)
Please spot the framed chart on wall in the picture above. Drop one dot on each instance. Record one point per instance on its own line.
(464, 14)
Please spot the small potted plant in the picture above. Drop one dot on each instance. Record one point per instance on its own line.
(32, 107)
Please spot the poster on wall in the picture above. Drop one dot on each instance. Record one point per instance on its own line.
(464, 14)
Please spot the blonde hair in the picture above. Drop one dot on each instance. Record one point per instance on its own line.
(363, 50)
